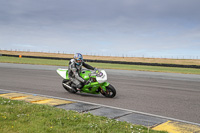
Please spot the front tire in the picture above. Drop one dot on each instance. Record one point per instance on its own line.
(110, 91)
(67, 82)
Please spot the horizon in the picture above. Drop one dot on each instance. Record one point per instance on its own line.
(122, 56)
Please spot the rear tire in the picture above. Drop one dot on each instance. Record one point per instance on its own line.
(65, 81)
(110, 91)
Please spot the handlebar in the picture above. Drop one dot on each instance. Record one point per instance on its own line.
(96, 72)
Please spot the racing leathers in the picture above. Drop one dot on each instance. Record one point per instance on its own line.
(74, 71)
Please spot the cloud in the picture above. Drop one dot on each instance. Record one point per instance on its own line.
(118, 26)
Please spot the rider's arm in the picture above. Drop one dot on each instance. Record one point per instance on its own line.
(88, 66)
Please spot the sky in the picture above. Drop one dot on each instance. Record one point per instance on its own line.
(137, 28)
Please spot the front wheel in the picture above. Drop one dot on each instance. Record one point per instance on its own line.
(110, 91)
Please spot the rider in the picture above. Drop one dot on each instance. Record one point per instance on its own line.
(75, 67)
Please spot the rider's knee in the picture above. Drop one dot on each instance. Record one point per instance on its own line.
(79, 85)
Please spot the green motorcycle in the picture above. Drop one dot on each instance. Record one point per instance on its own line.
(97, 82)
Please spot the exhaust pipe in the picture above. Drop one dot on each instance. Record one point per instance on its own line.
(67, 86)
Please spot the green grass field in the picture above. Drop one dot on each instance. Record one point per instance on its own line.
(23, 117)
(5, 59)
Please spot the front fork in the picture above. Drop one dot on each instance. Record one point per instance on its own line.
(103, 87)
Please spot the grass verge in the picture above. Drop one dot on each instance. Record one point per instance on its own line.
(5, 59)
(23, 117)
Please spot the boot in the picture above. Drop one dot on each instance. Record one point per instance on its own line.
(75, 87)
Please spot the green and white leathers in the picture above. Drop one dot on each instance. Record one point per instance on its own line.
(97, 82)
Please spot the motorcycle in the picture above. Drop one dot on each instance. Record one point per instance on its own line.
(97, 82)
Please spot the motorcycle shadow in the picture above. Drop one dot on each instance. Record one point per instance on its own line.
(90, 95)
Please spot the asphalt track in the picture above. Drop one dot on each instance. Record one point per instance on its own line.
(170, 95)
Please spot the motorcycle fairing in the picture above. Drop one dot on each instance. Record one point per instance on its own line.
(102, 78)
(63, 73)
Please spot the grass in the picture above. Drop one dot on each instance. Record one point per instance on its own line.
(22, 60)
(23, 117)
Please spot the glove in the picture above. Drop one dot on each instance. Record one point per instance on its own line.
(96, 69)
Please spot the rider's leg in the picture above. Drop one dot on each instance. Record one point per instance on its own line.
(76, 83)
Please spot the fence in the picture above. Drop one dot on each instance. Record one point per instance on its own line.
(114, 55)
(112, 62)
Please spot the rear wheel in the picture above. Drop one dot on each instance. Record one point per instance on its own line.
(110, 91)
(67, 86)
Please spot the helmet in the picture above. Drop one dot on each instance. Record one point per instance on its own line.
(78, 58)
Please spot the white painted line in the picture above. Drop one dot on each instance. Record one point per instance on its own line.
(133, 111)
